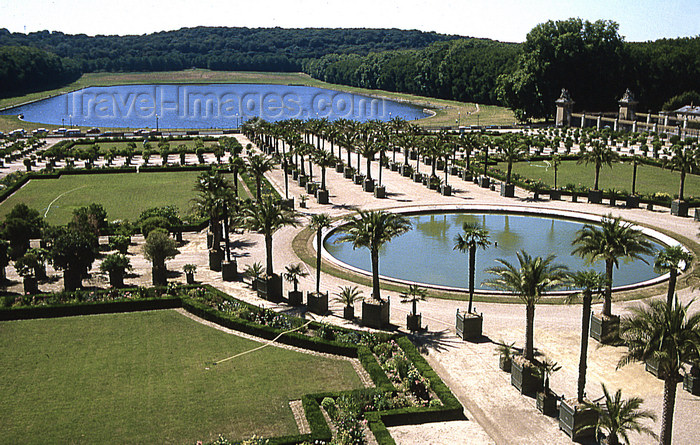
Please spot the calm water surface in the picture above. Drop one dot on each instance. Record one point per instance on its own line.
(206, 106)
(425, 254)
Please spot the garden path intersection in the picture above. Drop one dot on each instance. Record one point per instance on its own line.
(495, 411)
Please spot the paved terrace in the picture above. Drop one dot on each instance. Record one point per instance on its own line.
(495, 410)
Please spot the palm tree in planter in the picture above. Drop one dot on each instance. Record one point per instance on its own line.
(318, 223)
(236, 165)
(189, 270)
(612, 241)
(674, 260)
(473, 237)
(667, 335)
(529, 281)
(324, 159)
(258, 166)
(685, 160)
(599, 155)
(413, 295)
(373, 229)
(254, 271)
(616, 417)
(511, 151)
(115, 265)
(293, 273)
(546, 399)
(348, 296)
(158, 248)
(266, 217)
(504, 351)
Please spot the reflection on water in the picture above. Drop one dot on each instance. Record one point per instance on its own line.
(425, 254)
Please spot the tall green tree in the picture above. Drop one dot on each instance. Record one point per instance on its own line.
(674, 260)
(685, 160)
(611, 242)
(599, 155)
(258, 165)
(265, 217)
(473, 236)
(373, 229)
(529, 281)
(670, 336)
(158, 248)
(20, 226)
(72, 251)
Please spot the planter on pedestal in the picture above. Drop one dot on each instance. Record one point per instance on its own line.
(524, 376)
(349, 312)
(216, 256)
(484, 181)
(375, 313)
(507, 190)
(116, 278)
(380, 192)
(295, 298)
(575, 422)
(632, 201)
(605, 329)
(358, 179)
(547, 403)
(413, 322)
(317, 303)
(555, 195)
(270, 288)
(31, 286)
(229, 270)
(691, 381)
(679, 208)
(595, 196)
(446, 190)
(322, 196)
(368, 185)
(505, 363)
(469, 325)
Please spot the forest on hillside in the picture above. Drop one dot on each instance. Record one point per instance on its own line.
(590, 59)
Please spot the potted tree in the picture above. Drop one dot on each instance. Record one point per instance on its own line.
(189, 270)
(292, 274)
(319, 222)
(469, 325)
(115, 265)
(615, 418)
(691, 379)
(505, 355)
(599, 155)
(413, 295)
(254, 272)
(25, 267)
(372, 229)
(546, 399)
(158, 248)
(348, 296)
(685, 160)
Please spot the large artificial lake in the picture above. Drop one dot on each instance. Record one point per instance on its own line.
(206, 106)
(425, 254)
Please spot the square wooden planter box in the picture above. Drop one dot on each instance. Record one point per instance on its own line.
(368, 185)
(679, 208)
(375, 314)
(317, 303)
(507, 190)
(322, 196)
(572, 421)
(652, 367)
(605, 330)
(525, 378)
(303, 179)
(216, 257)
(467, 176)
(406, 171)
(484, 182)
(339, 167)
(505, 363)
(229, 270)
(358, 179)
(595, 196)
(547, 403)
(692, 384)
(632, 202)
(348, 172)
(349, 312)
(295, 298)
(270, 288)
(468, 326)
(446, 190)
(413, 322)
(380, 192)
(418, 177)
(555, 195)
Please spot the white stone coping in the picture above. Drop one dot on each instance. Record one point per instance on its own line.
(497, 208)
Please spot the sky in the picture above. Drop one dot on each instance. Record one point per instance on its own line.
(504, 20)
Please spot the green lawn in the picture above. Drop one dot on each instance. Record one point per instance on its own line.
(142, 378)
(123, 195)
(120, 145)
(650, 179)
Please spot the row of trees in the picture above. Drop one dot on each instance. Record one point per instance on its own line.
(25, 69)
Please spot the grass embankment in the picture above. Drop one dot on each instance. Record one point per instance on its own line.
(448, 113)
(650, 179)
(143, 378)
(123, 195)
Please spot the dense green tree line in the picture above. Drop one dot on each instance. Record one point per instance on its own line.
(25, 69)
(590, 59)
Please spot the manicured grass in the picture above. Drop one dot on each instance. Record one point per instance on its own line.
(120, 145)
(142, 378)
(123, 195)
(447, 112)
(650, 179)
